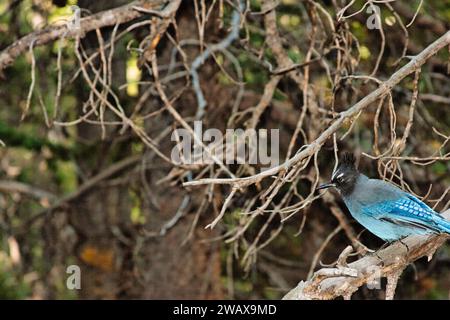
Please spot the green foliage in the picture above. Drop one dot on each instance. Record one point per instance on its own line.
(66, 176)
(136, 214)
(11, 286)
(439, 168)
(28, 139)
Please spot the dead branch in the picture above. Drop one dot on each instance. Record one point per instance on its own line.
(102, 19)
(383, 89)
(8, 186)
(330, 283)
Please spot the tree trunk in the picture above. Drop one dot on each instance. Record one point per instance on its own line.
(138, 267)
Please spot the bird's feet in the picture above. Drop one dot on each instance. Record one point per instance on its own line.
(404, 243)
(385, 245)
(376, 253)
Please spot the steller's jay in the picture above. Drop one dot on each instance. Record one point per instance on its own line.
(385, 210)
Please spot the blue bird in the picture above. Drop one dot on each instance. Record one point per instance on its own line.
(382, 208)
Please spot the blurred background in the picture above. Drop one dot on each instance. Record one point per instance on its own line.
(85, 171)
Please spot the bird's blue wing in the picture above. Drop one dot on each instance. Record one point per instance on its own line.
(406, 211)
(421, 204)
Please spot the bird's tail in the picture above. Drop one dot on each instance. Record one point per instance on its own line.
(444, 224)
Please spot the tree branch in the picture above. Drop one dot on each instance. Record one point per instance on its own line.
(9, 186)
(102, 19)
(383, 89)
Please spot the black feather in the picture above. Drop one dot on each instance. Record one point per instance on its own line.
(348, 160)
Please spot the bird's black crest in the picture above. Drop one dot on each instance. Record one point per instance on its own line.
(348, 160)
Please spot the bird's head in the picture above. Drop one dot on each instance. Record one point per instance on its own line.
(344, 177)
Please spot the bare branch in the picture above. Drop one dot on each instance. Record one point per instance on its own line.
(102, 19)
(383, 89)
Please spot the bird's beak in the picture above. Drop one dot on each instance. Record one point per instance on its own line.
(326, 186)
